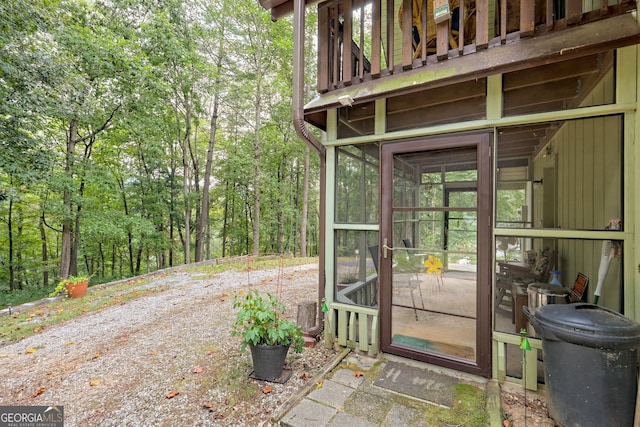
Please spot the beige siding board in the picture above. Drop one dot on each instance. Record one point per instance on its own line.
(563, 170)
(598, 184)
(590, 197)
(612, 166)
(588, 176)
(566, 220)
(536, 211)
(577, 165)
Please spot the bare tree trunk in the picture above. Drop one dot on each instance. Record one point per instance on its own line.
(19, 265)
(73, 264)
(185, 185)
(12, 278)
(138, 259)
(201, 229)
(172, 206)
(194, 187)
(279, 207)
(43, 250)
(305, 204)
(225, 217)
(65, 247)
(257, 157)
(113, 260)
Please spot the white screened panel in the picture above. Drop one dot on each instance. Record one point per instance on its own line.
(586, 156)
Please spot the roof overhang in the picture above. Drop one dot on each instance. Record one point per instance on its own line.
(281, 8)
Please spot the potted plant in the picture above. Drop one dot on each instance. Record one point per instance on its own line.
(261, 324)
(75, 286)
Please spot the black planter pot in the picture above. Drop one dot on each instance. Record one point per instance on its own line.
(268, 361)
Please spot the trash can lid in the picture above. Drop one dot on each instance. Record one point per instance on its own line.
(587, 324)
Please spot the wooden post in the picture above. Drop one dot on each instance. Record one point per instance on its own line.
(307, 315)
(527, 18)
(407, 34)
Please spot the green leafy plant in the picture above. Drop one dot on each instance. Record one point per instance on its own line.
(74, 280)
(260, 321)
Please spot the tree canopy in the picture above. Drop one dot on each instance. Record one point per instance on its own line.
(141, 134)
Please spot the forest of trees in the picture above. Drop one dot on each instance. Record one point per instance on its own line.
(137, 135)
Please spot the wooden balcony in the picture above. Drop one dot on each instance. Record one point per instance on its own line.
(364, 41)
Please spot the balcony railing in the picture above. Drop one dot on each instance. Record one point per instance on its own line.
(361, 40)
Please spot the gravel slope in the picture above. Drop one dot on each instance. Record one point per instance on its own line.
(116, 366)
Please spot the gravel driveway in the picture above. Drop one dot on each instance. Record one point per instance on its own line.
(119, 366)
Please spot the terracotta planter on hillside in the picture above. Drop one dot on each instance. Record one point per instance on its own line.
(76, 289)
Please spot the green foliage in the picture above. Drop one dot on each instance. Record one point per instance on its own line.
(260, 321)
(139, 79)
(71, 280)
(22, 296)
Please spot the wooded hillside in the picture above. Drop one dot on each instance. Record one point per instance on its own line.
(137, 135)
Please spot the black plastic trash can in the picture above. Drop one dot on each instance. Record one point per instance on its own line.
(590, 364)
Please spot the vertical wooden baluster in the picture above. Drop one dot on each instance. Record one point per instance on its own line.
(503, 21)
(574, 11)
(391, 19)
(461, 17)
(376, 38)
(335, 53)
(361, 64)
(527, 18)
(550, 16)
(482, 24)
(442, 39)
(407, 33)
(423, 31)
(323, 49)
(347, 42)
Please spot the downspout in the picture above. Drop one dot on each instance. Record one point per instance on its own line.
(303, 131)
